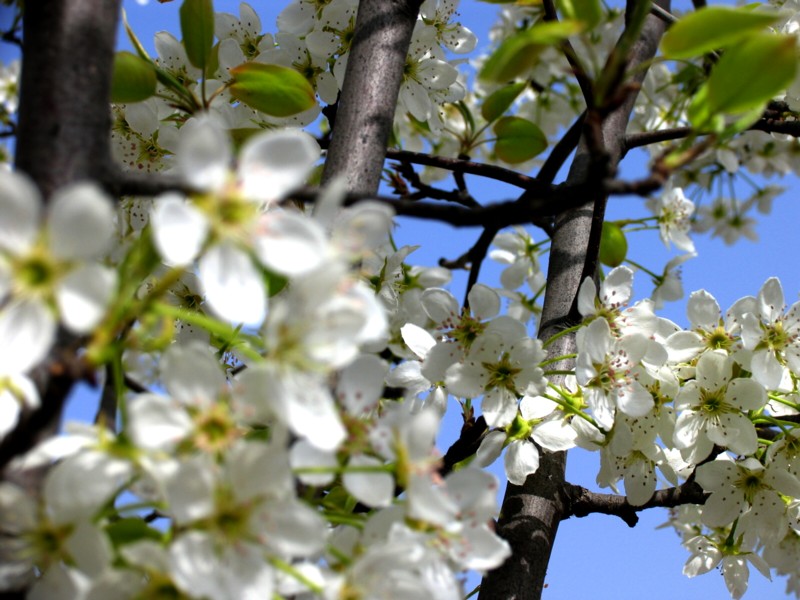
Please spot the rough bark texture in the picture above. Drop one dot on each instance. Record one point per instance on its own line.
(64, 116)
(369, 95)
(532, 512)
(62, 136)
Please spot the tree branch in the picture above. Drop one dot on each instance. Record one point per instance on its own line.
(582, 502)
(367, 103)
(468, 167)
(63, 136)
(531, 513)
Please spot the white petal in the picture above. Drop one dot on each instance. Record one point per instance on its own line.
(361, 384)
(555, 435)
(294, 529)
(10, 408)
(80, 222)
(27, 330)
(373, 489)
(83, 296)
(703, 310)
(274, 163)
(290, 243)
(20, 211)
(417, 339)
(586, 297)
(156, 422)
(204, 153)
(484, 302)
(771, 300)
(617, 288)
(521, 460)
(304, 455)
(192, 375)
(440, 305)
(490, 448)
(80, 485)
(234, 288)
(179, 229)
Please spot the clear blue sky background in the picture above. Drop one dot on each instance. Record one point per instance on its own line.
(599, 557)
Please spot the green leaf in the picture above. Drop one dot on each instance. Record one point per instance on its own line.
(518, 140)
(520, 52)
(272, 89)
(500, 100)
(129, 530)
(197, 29)
(711, 28)
(588, 11)
(613, 245)
(751, 73)
(133, 80)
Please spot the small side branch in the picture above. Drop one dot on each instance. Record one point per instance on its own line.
(468, 167)
(581, 502)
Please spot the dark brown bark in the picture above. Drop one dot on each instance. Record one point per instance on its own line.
(532, 512)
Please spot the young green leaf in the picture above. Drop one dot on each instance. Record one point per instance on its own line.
(520, 52)
(711, 28)
(272, 89)
(500, 100)
(518, 140)
(134, 78)
(197, 28)
(751, 73)
(588, 11)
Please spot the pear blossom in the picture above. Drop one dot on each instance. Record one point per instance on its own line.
(454, 36)
(772, 335)
(615, 292)
(674, 212)
(270, 165)
(9, 84)
(603, 368)
(52, 274)
(748, 489)
(710, 409)
(502, 365)
(539, 424)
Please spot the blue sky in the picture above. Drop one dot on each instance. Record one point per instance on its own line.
(598, 557)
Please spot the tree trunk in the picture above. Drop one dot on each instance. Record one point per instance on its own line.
(64, 114)
(531, 513)
(62, 137)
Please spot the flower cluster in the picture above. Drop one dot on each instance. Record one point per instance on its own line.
(282, 372)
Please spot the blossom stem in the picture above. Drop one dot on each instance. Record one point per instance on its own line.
(643, 269)
(555, 359)
(560, 334)
(338, 519)
(292, 572)
(233, 337)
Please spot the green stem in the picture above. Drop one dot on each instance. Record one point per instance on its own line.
(221, 330)
(641, 268)
(292, 572)
(555, 359)
(561, 333)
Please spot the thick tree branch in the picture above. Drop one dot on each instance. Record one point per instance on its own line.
(62, 137)
(531, 513)
(367, 103)
(64, 116)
